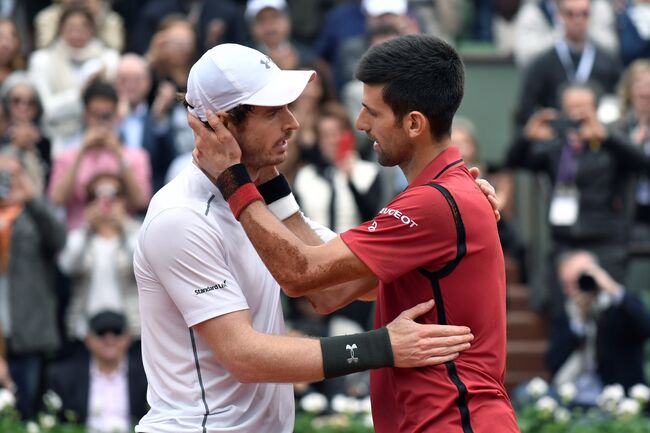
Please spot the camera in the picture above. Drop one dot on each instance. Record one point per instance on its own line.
(5, 184)
(563, 123)
(587, 283)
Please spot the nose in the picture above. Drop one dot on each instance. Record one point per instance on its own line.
(291, 124)
(361, 124)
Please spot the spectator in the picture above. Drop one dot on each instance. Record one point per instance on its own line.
(574, 58)
(99, 151)
(340, 191)
(171, 55)
(30, 238)
(137, 126)
(11, 55)
(106, 386)
(539, 25)
(5, 376)
(633, 21)
(597, 338)
(109, 25)
(215, 22)
(634, 92)
(443, 18)
(62, 70)
(98, 257)
(23, 107)
(270, 26)
(587, 165)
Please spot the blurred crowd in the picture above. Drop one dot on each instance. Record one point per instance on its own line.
(91, 127)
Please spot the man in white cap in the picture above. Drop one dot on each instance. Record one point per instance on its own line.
(212, 324)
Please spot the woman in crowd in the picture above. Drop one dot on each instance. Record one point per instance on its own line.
(11, 58)
(62, 70)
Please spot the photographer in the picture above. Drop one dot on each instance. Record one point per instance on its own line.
(98, 257)
(99, 151)
(587, 166)
(598, 338)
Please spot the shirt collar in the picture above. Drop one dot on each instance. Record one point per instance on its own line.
(440, 163)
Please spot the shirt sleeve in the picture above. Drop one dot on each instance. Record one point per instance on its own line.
(415, 230)
(191, 265)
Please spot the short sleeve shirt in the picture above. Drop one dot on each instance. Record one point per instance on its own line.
(419, 231)
(193, 262)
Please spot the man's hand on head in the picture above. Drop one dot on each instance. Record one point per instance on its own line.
(488, 190)
(215, 148)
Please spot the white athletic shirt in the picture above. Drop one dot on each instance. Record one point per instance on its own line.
(194, 262)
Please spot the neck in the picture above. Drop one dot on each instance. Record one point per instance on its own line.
(107, 366)
(423, 156)
(576, 42)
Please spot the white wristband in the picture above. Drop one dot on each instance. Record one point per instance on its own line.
(285, 207)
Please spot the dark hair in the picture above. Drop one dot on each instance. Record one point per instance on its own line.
(74, 10)
(381, 30)
(591, 86)
(419, 73)
(99, 89)
(92, 184)
(237, 115)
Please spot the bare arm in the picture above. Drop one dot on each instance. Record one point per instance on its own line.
(62, 190)
(252, 356)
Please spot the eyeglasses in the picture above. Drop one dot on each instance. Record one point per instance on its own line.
(22, 101)
(575, 14)
(103, 117)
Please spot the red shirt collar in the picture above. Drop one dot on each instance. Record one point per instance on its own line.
(441, 162)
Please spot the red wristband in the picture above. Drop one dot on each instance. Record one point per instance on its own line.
(242, 197)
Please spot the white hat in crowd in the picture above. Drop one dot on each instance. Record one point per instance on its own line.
(375, 8)
(254, 7)
(229, 75)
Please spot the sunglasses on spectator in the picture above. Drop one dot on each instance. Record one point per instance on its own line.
(22, 101)
(114, 331)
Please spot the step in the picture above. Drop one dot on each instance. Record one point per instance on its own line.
(517, 298)
(526, 325)
(526, 355)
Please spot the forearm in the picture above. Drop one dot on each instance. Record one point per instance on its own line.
(332, 299)
(63, 189)
(136, 197)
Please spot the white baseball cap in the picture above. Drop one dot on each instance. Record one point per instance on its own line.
(375, 8)
(253, 7)
(229, 75)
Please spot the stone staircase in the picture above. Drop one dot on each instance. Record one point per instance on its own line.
(527, 342)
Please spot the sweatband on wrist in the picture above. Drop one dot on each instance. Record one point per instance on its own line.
(278, 197)
(236, 187)
(347, 354)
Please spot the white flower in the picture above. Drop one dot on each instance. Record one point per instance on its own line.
(567, 392)
(610, 397)
(546, 405)
(365, 405)
(628, 407)
(562, 415)
(537, 387)
(343, 404)
(367, 421)
(313, 402)
(613, 392)
(32, 427)
(7, 399)
(52, 401)
(47, 421)
(640, 393)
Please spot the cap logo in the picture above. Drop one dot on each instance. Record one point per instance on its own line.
(266, 62)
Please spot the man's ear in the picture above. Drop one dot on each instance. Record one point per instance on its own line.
(415, 124)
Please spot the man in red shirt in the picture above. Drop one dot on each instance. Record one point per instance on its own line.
(436, 239)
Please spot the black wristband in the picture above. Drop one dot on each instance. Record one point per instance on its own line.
(232, 178)
(357, 352)
(274, 189)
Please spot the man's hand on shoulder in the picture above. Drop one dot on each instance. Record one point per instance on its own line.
(419, 345)
(488, 190)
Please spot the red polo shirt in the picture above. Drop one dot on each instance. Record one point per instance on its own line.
(454, 241)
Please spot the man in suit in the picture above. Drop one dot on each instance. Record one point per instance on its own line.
(106, 386)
